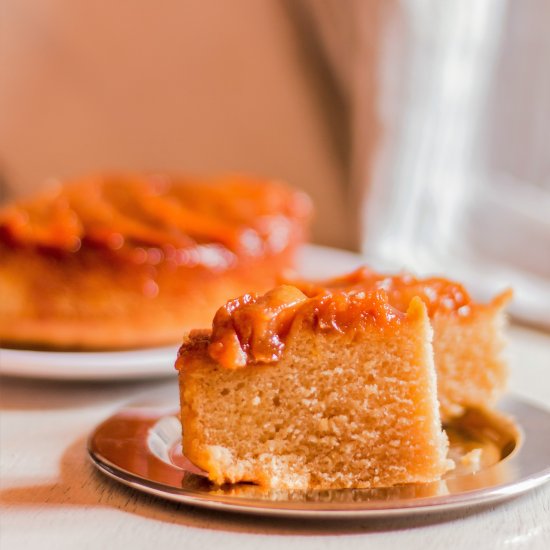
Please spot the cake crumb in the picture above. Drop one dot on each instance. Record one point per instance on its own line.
(472, 460)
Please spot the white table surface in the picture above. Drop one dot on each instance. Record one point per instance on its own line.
(52, 497)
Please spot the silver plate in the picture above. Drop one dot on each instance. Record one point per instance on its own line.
(140, 446)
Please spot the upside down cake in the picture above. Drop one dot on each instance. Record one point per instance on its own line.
(468, 337)
(335, 390)
(128, 261)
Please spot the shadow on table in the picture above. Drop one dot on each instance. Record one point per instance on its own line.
(81, 485)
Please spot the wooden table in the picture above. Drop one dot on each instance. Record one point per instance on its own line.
(53, 498)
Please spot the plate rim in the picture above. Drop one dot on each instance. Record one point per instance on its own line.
(353, 510)
(88, 366)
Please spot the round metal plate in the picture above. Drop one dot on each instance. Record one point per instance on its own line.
(140, 447)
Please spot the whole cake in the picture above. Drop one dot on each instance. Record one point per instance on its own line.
(330, 391)
(468, 337)
(128, 261)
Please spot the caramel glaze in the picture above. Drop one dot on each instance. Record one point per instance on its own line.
(252, 329)
(440, 295)
(154, 219)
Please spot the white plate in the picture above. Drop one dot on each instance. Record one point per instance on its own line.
(116, 365)
(314, 262)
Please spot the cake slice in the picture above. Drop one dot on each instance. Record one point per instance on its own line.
(468, 337)
(294, 392)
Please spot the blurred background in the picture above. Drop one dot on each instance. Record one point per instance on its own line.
(420, 128)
